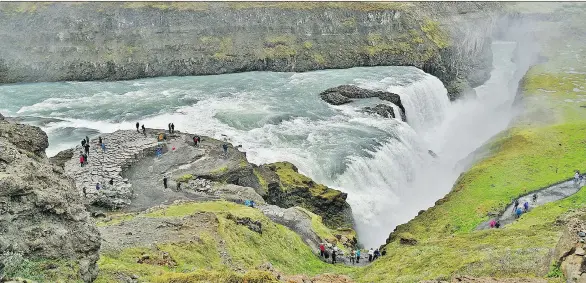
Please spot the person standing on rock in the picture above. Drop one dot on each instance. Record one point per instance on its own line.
(225, 147)
(370, 254)
(83, 143)
(87, 148)
(143, 130)
(97, 186)
(376, 254)
(195, 140)
(492, 223)
(516, 204)
(334, 256)
(576, 177)
(87, 140)
(137, 125)
(497, 225)
(322, 249)
(111, 182)
(357, 255)
(165, 182)
(519, 212)
(103, 147)
(526, 206)
(84, 158)
(100, 141)
(169, 127)
(352, 256)
(81, 160)
(172, 128)
(534, 198)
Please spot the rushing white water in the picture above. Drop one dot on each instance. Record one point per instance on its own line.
(383, 164)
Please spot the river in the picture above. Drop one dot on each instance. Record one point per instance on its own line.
(383, 164)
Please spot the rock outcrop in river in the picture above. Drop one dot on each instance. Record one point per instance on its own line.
(42, 216)
(118, 40)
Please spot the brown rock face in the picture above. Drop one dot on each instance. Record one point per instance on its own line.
(41, 213)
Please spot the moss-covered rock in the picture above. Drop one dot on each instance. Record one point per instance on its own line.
(286, 187)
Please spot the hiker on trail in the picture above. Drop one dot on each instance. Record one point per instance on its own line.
(84, 192)
(352, 256)
(516, 204)
(172, 128)
(85, 158)
(322, 249)
(103, 147)
(327, 254)
(576, 176)
(169, 127)
(498, 224)
(370, 254)
(358, 256)
(492, 223)
(143, 130)
(137, 125)
(83, 143)
(334, 256)
(87, 140)
(87, 148)
(97, 186)
(252, 203)
(100, 140)
(81, 160)
(225, 147)
(519, 212)
(195, 140)
(178, 186)
(376, 254)
(526, 206)
(111, 182)
(534, 197)
(165, 182)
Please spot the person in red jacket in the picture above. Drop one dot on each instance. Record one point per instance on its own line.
(322, 249)
(81, 160)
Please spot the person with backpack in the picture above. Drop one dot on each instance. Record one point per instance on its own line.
(357, 255)
(322, 249)
(534, 198)
(352, 256)
(370, 254)
(376, 254)
(492, 223)
(165, 182)
(81, 160)
(104, 147)
(172, 128)
(519, 212)
(498, 224)
(225, 147)
(143, 130)
(526, 206)
(137, 126)
(100, 141)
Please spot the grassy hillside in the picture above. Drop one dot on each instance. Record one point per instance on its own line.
(545, 145)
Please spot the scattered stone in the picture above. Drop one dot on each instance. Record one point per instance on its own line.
(579, 251)
(255, 226)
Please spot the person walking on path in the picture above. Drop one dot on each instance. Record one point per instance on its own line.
(103, 147)
(165, 182)
(519, 212)
(576, 176)
(516, 204)
(85, 161)
(87, 140)
(376, 254)
(100, 141)
(83, 143)
(526, 206)
(172, 128)
(352, 257)
(97, 186)
(534, 198)
(322, 249)
(370, 254)
(492, 223)
(143, 130)
(111, 182)
(169, 127)
(358, 256)
(137, 125)
(497, 225)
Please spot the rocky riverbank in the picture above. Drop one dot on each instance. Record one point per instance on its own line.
(43, 223)
(124, 40)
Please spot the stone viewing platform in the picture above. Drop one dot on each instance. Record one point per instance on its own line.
(122, 149)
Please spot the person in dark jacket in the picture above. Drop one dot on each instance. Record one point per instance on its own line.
(137, 126)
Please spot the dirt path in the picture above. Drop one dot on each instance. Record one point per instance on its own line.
(554, 192)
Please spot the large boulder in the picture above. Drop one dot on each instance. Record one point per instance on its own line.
(42, 216)
(286, 187)
(346, 93)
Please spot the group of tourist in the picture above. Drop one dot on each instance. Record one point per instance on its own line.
(327, 250)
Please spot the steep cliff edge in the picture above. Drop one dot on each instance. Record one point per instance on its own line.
(43, 223)
(115, 41)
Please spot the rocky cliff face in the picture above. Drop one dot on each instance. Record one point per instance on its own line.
(114, 41)
(41, 214)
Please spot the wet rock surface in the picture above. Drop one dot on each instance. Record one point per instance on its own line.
(347, 93)
(41, 212)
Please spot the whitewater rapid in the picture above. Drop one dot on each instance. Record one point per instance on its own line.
(383, 164)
